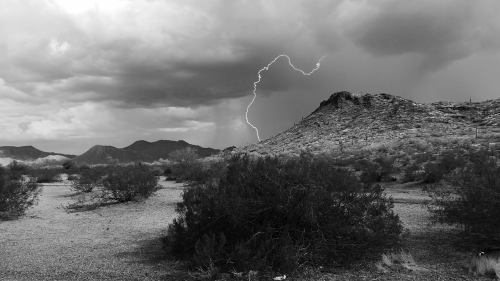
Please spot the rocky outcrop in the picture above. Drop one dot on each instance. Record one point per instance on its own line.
(349, 121)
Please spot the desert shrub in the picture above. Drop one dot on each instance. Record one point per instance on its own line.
(345, 162)
(16, 196)
(84, 167)
(126, 183)
(451, 159)
(269, 213)
(73, 177)
(471, 199)
(17, 169)
(422, 157)
(435, 171)
(193, 172)
(16, 166)
(46, 175)
(410, 173)
(386, 167)
(87, 181)
(186, 166)
(70, 164)
(370, 171)
(167, 172)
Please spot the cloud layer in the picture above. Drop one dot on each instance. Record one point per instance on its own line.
(112, 72)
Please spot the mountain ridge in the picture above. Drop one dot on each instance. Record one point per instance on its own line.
(139, 151)
(27, 153)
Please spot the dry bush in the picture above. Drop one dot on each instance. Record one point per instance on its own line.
(126, 183)
(87, 181)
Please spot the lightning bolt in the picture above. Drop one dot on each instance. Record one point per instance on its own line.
(267, 68)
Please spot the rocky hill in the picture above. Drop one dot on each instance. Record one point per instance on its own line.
(353, 122)
(49, 160)
(26, 153)
(100, 154)
(162, 148)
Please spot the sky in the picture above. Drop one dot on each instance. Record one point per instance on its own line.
(76, 73)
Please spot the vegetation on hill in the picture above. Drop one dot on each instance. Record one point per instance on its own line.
(348, 122)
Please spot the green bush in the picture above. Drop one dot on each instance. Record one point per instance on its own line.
(471, 199)
(270, 213)
(126, 183)
(87, 181)
(16, 196)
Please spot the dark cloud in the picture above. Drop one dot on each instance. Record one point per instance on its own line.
(440, 31)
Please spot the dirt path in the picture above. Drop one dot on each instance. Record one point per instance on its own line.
(116, 242)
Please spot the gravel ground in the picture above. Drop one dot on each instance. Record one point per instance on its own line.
(120, 242)
(115, 242)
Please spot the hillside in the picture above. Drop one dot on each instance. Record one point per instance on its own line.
(353, 122)
(162, 148)
(50, 160)
(26, 153)
(100, 154)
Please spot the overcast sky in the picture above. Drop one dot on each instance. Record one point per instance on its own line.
(75, 73)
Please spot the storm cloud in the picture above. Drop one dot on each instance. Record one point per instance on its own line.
(115, 71)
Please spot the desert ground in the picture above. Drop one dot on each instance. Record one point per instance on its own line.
(121, 241)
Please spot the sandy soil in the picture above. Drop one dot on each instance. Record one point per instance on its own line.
(115, 242)
(120, 242)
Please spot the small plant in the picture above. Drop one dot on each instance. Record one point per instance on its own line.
(16, 196)
(125, 184)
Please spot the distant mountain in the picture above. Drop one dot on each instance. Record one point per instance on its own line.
(100, 154)
(26, 153)
(139, 151)
(349, 122)
(162, 148)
